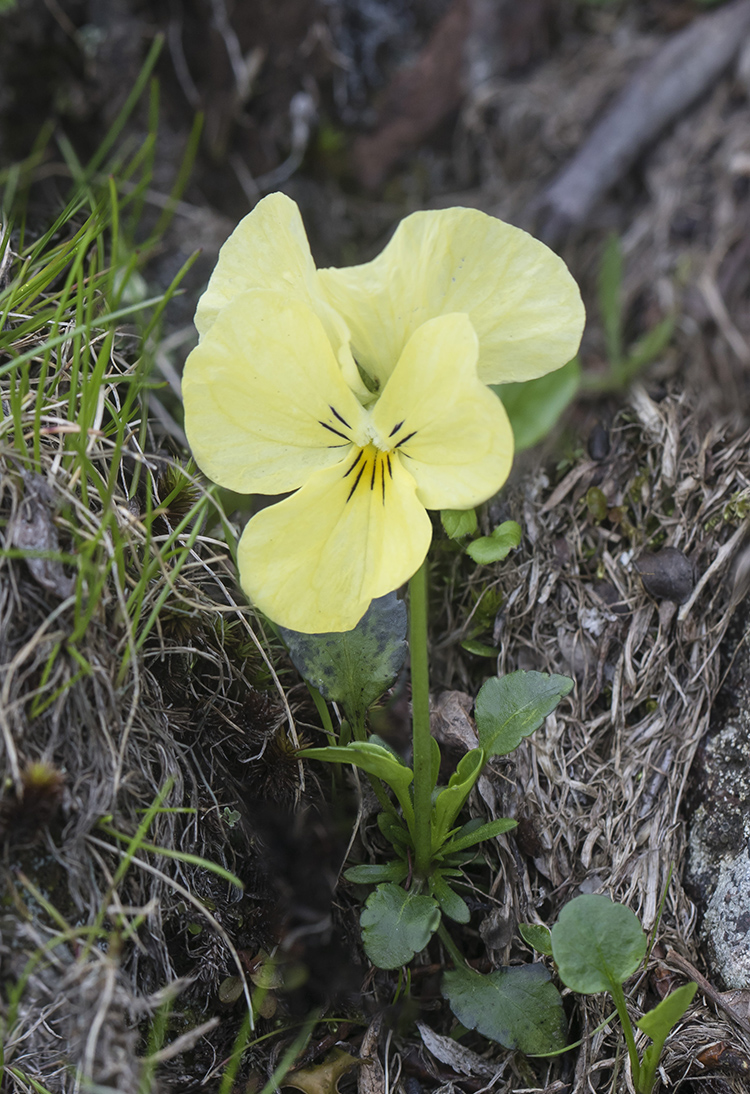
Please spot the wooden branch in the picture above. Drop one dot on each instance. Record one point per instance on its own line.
(680, 71)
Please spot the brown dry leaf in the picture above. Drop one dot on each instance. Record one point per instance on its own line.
(737, 1002)
(460, 1058)
(451, 721)
(34, 530)
(371, 1078)
(323, 1078)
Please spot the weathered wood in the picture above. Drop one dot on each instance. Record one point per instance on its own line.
(682, 70)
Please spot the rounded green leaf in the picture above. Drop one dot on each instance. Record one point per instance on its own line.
(459, 522)
(396, 925)
(497, 546)
(537, 936)
(517, 1006)
(511, 707)
(597, 944)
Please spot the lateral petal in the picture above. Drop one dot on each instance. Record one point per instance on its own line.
(269, 250)
(314, 561)
(448, 428)
(265, 402)
(519, 295)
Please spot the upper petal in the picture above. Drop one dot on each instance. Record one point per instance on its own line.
(265, 402)
(520, 297)
(314, 561)
(448, 428)
(269, 250)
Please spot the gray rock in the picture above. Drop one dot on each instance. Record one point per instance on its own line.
(718, 862)
(726, 924)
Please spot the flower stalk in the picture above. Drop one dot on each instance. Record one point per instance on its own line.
(421, 736)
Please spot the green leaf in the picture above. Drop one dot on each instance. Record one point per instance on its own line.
(435, 755)
(451, 904)
(495, 547)
(451, 798)
(479, 649)
(373, 874)
(537, 936)
(396, 925)
(610, 304)
(535, 405)
(657, 1024)
(516, 1006)
(476, 831)
(509, 708)
(394, 831)
(597, 943)
(459, 522)
(355, 667)
(375, 759)
(649, 346)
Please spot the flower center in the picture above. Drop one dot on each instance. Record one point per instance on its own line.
(370, 470)
(341, 434)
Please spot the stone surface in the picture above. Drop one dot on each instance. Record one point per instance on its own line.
(718, 870)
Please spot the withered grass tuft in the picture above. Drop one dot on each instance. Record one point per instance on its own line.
(124, 664)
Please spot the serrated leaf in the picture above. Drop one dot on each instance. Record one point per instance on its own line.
(354, 667)
(376, 872)
(396, 925)
(458, 522)
(451, 798)
(451, 904)
(495, 547)
(509, 708)
(517, 1006)
(537, 936)
(534, 406)
(597, 943)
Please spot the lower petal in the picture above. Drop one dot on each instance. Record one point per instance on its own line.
(354, 532)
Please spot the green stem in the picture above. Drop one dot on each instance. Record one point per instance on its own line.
(421, 737)
(458, 958)
(619, 1000)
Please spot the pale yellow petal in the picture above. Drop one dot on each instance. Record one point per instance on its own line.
(314, 561)
(269, 250)
(265, 402)
(519, 295)
(450, 431)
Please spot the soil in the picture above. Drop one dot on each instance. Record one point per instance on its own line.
(362, 111)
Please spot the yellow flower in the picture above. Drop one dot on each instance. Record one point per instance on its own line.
(276, 398)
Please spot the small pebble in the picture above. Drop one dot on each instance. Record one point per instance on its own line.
(666, 574)
(598, 443)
